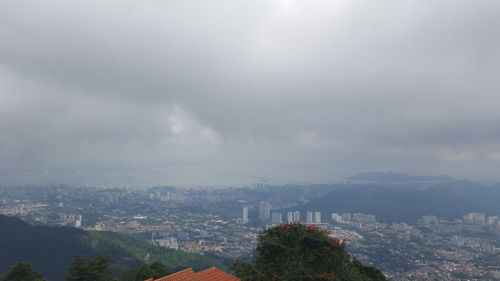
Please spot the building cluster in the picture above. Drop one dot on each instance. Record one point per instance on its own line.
(355, 217)
(266, 216)
(168, 196)
(203, 221)
(481, 219)
(74, 220)
(164, 239)
(474, 218)
(429, 219)
(474, 243)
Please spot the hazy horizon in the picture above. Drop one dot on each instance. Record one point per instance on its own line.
(230, 92)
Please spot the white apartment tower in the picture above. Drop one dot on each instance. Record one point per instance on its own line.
(309, 217)
(277, 218)
(296, 216)
(264, 210)
(245, 215)
(317, 217)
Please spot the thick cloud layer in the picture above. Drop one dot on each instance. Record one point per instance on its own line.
(289, 89)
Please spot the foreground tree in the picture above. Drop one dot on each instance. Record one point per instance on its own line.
(295, 252)
(153, 270)
(22, 271)
(93, 269)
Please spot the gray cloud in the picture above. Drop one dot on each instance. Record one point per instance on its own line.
(312, 90)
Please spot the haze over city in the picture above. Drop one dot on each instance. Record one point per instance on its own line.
(234, 92)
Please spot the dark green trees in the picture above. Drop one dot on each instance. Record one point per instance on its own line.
(98, 269)
(22, 271)
(93, 269)
(153, 270)
(295, 252)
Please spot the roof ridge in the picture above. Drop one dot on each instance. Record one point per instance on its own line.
(181, 271)
(174, 274)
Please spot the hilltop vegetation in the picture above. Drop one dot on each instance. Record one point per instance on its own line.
(295, 252)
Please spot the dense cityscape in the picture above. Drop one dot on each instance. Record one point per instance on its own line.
(225, 222)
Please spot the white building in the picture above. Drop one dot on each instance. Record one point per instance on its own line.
(317, 217)
(245, 215)
(491, 220)
(296, 216)
(346, 217)
(336, 217)
(277, 218)
(264, 210)
(309, 217)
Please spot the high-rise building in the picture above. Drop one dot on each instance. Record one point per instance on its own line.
(336, 217)
(317, 217)
(479, 218)
(469, 218)
(309, 217)
(264, 210)
(475, 218)
(296, 216)
(78, 221)
(289, 217)
(277, 218)
(430, 219)
(491, 220)
(346, 217)
(363, 218)
(245, 215)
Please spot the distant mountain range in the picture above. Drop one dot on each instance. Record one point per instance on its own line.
(393, 177)
(51, 249)
(397, 203)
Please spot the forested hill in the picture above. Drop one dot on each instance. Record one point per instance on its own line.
(391, 203)
(51, 249)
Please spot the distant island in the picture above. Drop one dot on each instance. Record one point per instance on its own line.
(394, 177)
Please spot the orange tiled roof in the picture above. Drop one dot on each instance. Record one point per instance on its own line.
(210, 274)
(183, 275)
(215, 274)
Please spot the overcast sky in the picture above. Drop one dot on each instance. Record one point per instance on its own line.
(233, 91)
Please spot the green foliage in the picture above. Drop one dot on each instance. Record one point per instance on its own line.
(117, 246)
(51, 249)
(245, 270)
(368, 270)
(22, 271)
(93, 269)
(295, 252)
(153, 270)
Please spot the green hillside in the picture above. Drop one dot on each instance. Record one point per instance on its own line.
(51, 249)
(394, 203)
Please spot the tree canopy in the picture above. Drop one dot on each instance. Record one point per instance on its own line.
(23, 271)
(92, 269)
(293, 252)
(153, 270)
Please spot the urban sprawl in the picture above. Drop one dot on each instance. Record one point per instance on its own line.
(226, 222)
